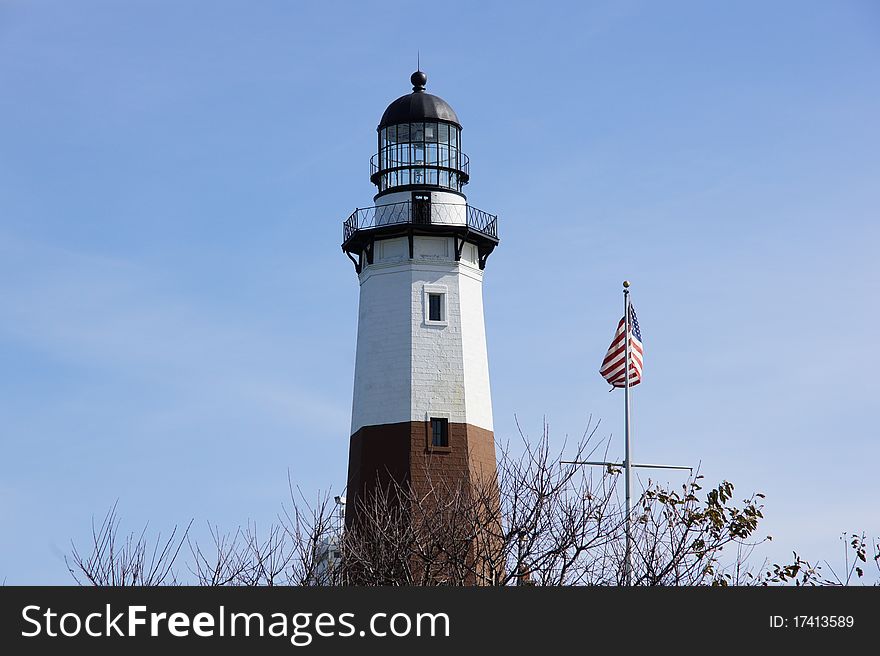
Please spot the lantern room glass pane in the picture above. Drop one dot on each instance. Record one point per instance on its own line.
(420, 152)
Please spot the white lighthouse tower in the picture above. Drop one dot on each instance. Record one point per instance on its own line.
(422, 407)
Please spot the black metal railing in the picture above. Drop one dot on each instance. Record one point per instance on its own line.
(449, 172)
(440, 214)
(455, 162)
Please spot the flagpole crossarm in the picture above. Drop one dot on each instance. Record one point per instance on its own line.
(655, 466)
(603, 463)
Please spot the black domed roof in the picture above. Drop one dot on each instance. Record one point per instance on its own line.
(418, 106)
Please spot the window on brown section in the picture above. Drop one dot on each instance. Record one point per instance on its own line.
(439, 432)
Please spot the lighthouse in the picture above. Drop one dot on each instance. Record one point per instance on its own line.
(422, 407)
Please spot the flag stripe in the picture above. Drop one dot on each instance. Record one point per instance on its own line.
(619, 355)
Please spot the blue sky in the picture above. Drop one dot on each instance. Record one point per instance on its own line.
(177, 321)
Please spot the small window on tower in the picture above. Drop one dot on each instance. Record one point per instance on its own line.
(439, 432)
(435, 307)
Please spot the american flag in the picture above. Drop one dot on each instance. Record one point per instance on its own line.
(614, 363)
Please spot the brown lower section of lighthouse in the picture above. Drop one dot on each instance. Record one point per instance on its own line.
(403, 453)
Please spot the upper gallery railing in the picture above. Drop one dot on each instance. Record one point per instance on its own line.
(451, 214)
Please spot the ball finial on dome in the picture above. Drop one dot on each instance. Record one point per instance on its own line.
(418, 79)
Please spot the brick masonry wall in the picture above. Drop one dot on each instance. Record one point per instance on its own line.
(402, 452)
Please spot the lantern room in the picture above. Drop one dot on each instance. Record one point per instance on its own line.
(419, 144)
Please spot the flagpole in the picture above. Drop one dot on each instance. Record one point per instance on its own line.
(627, 566)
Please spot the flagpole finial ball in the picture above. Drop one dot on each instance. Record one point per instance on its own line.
(626, 284)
